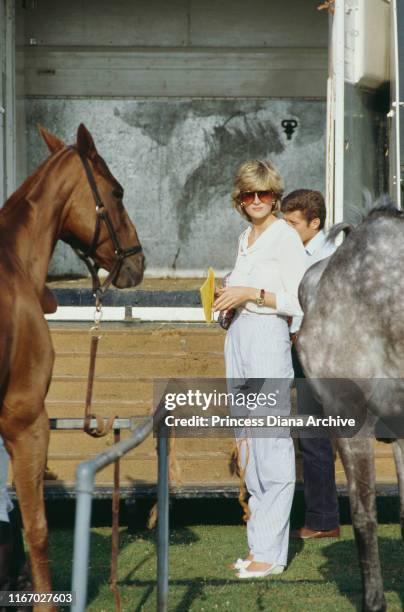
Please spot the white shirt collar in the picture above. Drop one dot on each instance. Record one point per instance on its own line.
(315, 243)
(267, 234)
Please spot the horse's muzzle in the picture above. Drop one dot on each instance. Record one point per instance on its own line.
(131, 272)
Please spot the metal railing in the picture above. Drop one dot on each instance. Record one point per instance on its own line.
(85, 478)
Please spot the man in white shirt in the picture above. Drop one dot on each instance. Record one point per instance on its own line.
(305, 211)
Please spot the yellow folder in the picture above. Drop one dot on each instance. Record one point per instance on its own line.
(208, 295)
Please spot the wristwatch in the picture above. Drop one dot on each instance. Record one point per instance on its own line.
(259, 300)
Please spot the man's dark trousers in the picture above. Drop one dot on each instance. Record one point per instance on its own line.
(320, 493)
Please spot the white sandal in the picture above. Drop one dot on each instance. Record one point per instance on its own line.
(274, 569)
(241, 564)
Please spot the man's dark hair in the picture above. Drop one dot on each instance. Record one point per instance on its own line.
(310, 203)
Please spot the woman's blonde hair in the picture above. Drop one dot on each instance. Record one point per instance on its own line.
(257, 175)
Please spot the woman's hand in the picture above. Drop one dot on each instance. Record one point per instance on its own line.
(232, 297)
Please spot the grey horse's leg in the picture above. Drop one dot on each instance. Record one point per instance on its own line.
(398, 449)
(358, 458)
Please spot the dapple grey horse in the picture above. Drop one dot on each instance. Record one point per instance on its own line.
(353, 331)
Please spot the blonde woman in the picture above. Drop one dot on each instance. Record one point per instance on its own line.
(263, 288)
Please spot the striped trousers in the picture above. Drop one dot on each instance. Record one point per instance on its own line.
(257, 348)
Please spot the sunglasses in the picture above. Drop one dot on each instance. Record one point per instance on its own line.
(265, 197)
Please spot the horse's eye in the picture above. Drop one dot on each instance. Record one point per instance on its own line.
(117, 194)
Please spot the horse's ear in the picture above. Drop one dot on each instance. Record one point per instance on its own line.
(85, 142)
(53, 143)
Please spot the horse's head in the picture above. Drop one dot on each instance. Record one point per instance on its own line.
(95, 221)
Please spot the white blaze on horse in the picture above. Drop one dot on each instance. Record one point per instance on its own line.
(72, 196)
(353, 331)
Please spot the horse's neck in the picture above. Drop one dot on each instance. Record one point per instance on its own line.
(32, 217)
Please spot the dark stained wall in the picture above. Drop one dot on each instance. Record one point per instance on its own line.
(177, 94)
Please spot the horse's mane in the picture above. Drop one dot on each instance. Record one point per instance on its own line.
(382, 208)
(29, 182)
(387, 208)
(33, 178)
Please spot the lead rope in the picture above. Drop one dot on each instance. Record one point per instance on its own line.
(102, 429)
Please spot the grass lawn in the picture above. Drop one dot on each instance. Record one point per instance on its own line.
(322, 575)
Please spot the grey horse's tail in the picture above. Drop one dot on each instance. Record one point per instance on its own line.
(347, 228)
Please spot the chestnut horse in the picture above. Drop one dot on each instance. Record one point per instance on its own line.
(72, 196)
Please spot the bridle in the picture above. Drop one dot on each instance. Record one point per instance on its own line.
(87, 255)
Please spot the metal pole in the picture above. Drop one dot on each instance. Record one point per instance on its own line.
(85, 477)
(7, 99)
(339, 142)
(329, 156)
(81, 550)
(395, 158)
(10, 122)
(162, 520)
(3, 190)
